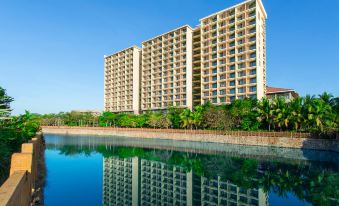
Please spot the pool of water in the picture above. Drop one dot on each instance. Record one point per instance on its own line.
(93, 170)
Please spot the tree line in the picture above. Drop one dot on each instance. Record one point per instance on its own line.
(14, 130)
(302, 114)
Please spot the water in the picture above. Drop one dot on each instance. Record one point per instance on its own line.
(93, 170)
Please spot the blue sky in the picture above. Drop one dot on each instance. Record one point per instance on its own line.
(51, 51)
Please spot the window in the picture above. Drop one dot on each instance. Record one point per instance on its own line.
(232, 51)
(222, 92)
(253, 55)
(252, 38)
(222, 69)
(240, 50)
(214, 63)
(242, 82)
(232, 91)
(214, 100)
(222, 77)
(232, 98)
(222, 99)
(241, 66)
(252, 47)
(232, 44)
(214, 93)
(214, 56)
(206, 79)
(241, 90)
(253, 72)
(214, 85)
(252, 30)
(232, 83)
(253, 80)
(253, 89)
(232, 75)
(206, 86)
(232, 67)
(241, 74)
(223, 84)
(214, 78)
(232, 59)
(253, 64)
(222, 62)
(214, 71)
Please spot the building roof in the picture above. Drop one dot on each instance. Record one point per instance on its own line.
(275, 90)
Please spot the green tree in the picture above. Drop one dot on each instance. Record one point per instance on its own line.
(295, 115)
(186, 119)
(173, 115)
(280, 113)
(197, 116)
(245, 114)
(265, 113)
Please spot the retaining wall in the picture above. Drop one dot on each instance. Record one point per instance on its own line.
(17, 190)
(276, 139)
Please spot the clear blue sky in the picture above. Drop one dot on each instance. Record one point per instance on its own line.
(51, 51)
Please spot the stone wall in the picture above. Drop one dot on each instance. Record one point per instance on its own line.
(276, 139)
(17, 190)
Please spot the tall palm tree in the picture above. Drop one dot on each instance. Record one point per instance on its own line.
(320, 116)
(265, 112)
(186, 118)
(295, 115)
(197, 116)
(280, 113)
(326, 97)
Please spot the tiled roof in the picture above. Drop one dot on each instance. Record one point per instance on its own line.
(270, 90)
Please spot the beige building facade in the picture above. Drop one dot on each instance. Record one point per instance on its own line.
(167, 70)
(233, 53)
(122, 81)
(219, 61)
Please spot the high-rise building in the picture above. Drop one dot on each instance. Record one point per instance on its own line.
(122, 81)
(219, 61)
(167, 70)
(233, 53)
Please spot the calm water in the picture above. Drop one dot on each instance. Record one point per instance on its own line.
(84, 170)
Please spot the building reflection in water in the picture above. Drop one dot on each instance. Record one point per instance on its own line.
(137, 181)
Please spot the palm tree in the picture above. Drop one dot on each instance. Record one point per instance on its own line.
(326, 97)
(280, 113)
(186, 118)
(320, 115)
(295, 115)
(197, 116)
(265, 112)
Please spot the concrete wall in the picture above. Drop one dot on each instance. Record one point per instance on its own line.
(19, 187)
(276, 139)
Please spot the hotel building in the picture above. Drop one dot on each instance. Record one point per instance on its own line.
(167, 70)
(122, 77)
(219, 61)
(233, 53)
